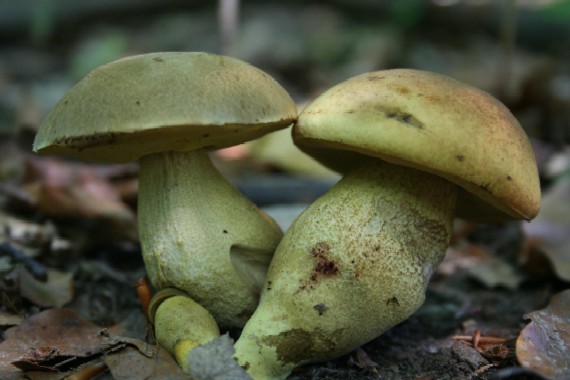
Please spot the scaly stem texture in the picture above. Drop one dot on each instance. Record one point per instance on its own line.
(200, 235)
(354, 264)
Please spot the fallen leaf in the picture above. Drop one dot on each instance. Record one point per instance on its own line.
(60, 342)
(49, 340)
(494, 272)
(57, 291)
(64, 189)
(549, 232)
(543, 346)
(111, 343)
(130, 358)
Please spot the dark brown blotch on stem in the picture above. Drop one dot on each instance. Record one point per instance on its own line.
(323, 265)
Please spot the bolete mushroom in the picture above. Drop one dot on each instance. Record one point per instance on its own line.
(197, 232)
(416, 148)
(180, 323)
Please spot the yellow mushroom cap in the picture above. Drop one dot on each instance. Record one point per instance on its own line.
(430, 122)
(173, 101)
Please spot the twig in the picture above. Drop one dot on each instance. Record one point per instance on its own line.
(485, 368)
(37, 269)
(144, 294)
(476, 339)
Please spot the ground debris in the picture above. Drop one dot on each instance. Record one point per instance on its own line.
(60, 341)
(544, 344)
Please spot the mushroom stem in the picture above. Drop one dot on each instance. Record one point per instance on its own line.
(199, 234)
(354, 264)
(180, 324)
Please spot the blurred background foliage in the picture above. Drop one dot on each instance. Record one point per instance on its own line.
(518, 50)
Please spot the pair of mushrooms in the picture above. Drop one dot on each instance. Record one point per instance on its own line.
(416, 149)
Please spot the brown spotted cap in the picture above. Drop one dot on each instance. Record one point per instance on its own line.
(164, 102)
(433, 123)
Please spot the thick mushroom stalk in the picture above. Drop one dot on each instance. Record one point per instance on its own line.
(354, 264)
(200, 235)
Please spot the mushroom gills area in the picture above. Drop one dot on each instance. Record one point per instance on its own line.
(200, 235)
(352, 265)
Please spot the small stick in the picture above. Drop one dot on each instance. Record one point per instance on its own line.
(476, 339)
(482, 340)
(144, 294)
(38, 270)
(485, 368)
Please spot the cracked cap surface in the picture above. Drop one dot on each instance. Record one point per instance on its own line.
(164, 102)
(430, 122)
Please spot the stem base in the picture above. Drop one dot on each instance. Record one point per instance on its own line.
(354, 264)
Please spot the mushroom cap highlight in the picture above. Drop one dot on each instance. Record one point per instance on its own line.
(170, 101)
(430, 122)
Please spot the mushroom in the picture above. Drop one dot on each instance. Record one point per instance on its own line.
(416, 149)
(197, 232)
(180, 324)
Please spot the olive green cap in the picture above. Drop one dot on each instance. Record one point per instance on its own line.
(433, 123)
(164, 102)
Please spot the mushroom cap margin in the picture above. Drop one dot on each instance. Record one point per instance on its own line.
(429, 122)
(169, 101)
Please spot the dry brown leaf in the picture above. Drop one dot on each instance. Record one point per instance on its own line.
(60, 341)
(76, 190)
(129, 363)
(549, 232)
(130, 358)
(48, 340)
(543, 346)
(112, 343)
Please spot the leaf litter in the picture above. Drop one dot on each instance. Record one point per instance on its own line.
(543, 346)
